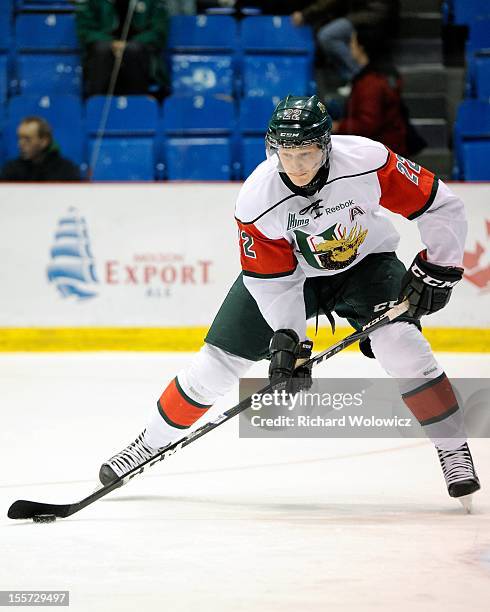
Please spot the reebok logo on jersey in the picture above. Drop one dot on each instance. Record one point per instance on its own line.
(340, 206)
(293, 222)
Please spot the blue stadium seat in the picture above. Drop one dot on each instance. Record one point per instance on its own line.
(49, 74)
(276, 75)
(252, 154)
(255, 113)
(198, 159)
(124, 159)
(254, 116)
(270, 34)
(473, 118)
(477, 46)
(127, 149)
(6, 25)
(479, 36)
(230, 10)
(202, 33)
(467, 11)
(201, 74)
(63, 112)
(475, 156)
(472, 128)
(482, 77)
(46, 5)
(46, 32)
(3, 78)
(198, 143)
(3, 155)
(128, 115)
(198, 115)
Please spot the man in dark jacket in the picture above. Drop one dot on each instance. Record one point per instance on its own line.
(374, 108)
(133, 32)
(40, 159)
(335, 21)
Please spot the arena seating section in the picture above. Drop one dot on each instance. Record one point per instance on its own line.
(472, 126)
(226, 76)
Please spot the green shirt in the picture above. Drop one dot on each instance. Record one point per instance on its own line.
(98, 19)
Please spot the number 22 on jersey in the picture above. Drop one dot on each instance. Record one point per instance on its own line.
(409, 168)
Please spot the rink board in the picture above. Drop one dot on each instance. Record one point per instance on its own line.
(146, 266)
(183, 339)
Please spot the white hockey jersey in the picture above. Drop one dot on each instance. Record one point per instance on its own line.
(285, 237)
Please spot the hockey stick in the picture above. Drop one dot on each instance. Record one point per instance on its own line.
(23, 509)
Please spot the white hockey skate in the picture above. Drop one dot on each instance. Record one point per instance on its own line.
(460, 475)
(128, 459)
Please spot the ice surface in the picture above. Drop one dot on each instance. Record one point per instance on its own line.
(227, 523)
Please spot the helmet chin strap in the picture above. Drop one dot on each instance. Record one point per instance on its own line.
(319, 180)
(316, 183)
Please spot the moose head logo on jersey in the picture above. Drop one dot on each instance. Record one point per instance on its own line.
(333, 249)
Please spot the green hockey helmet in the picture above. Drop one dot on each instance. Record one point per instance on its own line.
(299, 121)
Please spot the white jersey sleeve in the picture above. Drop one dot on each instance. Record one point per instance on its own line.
(443, 228)
(281, 301)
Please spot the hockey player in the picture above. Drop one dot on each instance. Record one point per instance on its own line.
(313, 236)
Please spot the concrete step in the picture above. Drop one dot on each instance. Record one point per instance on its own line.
(422, 105)
(426, 79)
(435, 131)
(422, 6)
(437, 160)
(411, 51)
(420, 25)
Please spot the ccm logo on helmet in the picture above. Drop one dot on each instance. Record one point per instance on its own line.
(428, 280)
(290, 134)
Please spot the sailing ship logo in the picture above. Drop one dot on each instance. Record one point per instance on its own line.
(72, 267)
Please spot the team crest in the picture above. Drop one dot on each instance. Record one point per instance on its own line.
(333, 249)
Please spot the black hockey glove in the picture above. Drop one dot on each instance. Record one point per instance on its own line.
(286, 353)
(428, 286)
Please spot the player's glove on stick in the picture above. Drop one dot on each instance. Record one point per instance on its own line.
(287, 353)
(428, 286)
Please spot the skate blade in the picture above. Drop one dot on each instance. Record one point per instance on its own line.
(467, 502)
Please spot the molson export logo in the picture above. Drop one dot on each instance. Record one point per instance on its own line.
(157, 273)
(72, 266)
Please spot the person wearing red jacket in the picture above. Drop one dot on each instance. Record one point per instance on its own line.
(374, 108)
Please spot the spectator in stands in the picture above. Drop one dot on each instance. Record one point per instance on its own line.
(181, 7)
(374, 108)
(267, 7)
(40, 158)
(133, 32)
(335, 21)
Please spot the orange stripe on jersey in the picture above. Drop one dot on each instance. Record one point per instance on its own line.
(263, 257)
(433, 401)
(406, 187)
(177, 408)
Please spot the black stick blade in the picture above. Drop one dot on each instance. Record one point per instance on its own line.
(23, 509)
